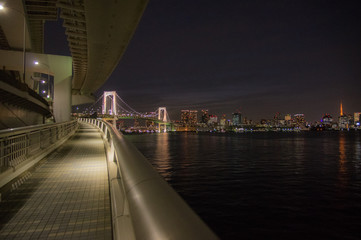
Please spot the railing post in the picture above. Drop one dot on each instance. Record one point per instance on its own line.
(1, 153)
(27, 144)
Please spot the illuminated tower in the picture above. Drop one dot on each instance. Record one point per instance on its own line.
(113, 105)
(341, 111)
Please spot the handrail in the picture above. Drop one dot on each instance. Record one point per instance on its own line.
(18, 145)
(20, 130)
(155, 209)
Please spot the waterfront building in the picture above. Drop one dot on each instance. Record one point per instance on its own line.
(288, 119)
(343, 122)
(205, 116)
(299, 119)
(193, 117)
(184, 117)
(189, 117)
(356, 118)
(237, 119)
(327, 119)
(213, 120)
(223, 121)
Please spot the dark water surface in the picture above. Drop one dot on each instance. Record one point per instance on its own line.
(265, 185)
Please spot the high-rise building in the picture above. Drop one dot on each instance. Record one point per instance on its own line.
(193, 117)
(223, 121)
(189, 117)
(237, 119)
(356, 117)
(205, 116)
(343, 122)
(184, 117)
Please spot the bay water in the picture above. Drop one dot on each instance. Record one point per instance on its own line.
(268, 185)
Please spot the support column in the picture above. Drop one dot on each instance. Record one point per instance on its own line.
(62, 100)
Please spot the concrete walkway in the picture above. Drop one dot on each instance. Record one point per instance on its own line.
(66, 197)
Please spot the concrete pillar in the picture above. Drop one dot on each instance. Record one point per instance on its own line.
(61, 66)
(62, 100)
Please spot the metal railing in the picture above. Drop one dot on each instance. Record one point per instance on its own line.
(144, 206)
(20, 144)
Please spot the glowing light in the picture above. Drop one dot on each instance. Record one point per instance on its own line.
(36, 62)
(43, 81)
(44, 91)
(341, 110)
(1, 7)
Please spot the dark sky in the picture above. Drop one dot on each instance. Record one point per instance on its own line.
(258, 56)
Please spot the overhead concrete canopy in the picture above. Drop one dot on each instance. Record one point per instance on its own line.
(98, 34)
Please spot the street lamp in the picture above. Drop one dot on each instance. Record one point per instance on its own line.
(2, 8)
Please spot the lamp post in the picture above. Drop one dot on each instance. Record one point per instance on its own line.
(2, 8)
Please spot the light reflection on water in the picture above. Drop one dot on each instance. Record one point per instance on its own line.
(162, 156)
(343, 171)
(266, 185)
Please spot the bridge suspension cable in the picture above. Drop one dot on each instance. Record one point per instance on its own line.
(119, 106)
(93, 106)
(134, 111)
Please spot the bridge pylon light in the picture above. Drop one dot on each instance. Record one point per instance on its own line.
(113, 105)
(162, 116)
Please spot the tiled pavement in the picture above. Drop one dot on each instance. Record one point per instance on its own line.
(67, 197)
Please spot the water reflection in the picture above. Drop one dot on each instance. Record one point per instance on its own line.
(358, 153)
(251, 185)
(342, 160)
(162, 156)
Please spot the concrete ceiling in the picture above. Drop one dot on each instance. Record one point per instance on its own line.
(98, 32)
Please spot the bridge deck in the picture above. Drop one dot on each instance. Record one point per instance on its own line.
(66, 197)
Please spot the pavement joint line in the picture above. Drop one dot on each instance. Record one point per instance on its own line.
(59, 199)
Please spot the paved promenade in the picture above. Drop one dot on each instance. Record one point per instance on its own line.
(66, 197)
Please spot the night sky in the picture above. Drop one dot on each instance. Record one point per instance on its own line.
(259, 57)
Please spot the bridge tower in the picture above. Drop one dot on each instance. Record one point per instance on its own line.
(162, 116)
(113, 105)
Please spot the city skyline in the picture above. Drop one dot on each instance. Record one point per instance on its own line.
(91, 108)
(260, 57)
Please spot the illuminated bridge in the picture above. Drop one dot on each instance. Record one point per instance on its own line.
(110, 106)
(63, 178)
